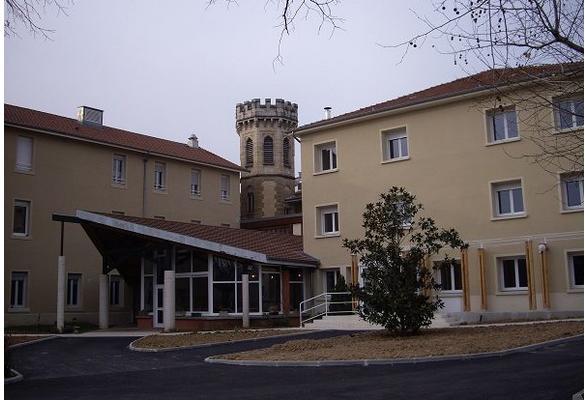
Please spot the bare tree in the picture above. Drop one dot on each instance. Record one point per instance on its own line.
(28, 13)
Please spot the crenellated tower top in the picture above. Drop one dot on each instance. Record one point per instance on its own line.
(253, 113)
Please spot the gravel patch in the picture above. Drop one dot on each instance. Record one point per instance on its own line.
(432, 342)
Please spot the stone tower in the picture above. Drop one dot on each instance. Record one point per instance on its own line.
(267, 151)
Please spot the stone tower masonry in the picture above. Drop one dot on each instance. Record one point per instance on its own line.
(269, 180)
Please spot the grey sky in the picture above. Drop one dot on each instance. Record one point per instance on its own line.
(170, 69)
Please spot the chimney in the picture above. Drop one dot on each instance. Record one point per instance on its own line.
(193, 141)
(327, 112)
(90, 116)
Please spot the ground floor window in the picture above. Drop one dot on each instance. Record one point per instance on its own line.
(330, 279)
(116, 288)
(513, 274)
(449, 276)
(576, 269)
(271, 300)
(296, 288)
(73, 289)
(18, 289)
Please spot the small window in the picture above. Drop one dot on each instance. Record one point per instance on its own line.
(326, 157)
(250, 202)
(119, 169)
(115, 290)
(395, 144)
(449, 277)
(568, 112)
(406, 219)
(160, 176)
(268, 150)
(575, 263)
(508, 199)
(24, 153)
(18, 289)
(224, 190)
(330, 279)
(513, 274)
(328, 220)
(286, 152)
(249, 152)
(195, 182)
(73, 289)
(502, 124)
(572, 191)
(21, 221)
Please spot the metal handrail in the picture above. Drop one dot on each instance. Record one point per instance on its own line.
(326, 303)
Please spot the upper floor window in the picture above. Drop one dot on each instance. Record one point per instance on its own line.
(268, 150)
(21, 218)
(24, 153)
(508, 199)
(119, 169)
(160, 176)
(502, 124)
(249, 152)
(572, 191)
(512, 273)
(195, 182)
(73, 289)
(224, 190)
(575, 269)
(328, 220)
(18, 289)
(568, 112)
(395, 144)
(286, 152)
(326, 157)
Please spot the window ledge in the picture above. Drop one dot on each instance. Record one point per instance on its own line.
(574, 290)
(512, 292)
(567, 130)
(397, 159)
(225, 201)
(568, 211)
(333, 170)
(451, 294)
(197, 197)
(21, 237)
(510, 217)
(119, 185)
(73, 308)
(12, 309)
(26, 172)
(328, 235)
(160, 191)
(503, 141)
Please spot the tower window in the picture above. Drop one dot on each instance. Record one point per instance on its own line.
(249, 152)
(250, 204)
(286, 152)
(268, 150)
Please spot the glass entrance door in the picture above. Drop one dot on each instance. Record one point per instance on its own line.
(271, 301)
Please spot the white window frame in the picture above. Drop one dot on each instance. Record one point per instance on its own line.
(24, 168)
(160, 176)
(569, 253)
(112, 279)
(191, 274)
(500, 271)
(492, 113)
(556, 117)
(330, 146)
(26, 204)
(119, 177)
(224, 190)
(393, 134)
(336, 274)
(195, 183)
(507, 185)
(25, 279)
(69, 290)
(321, 211)
(570, 177)
(452, 274)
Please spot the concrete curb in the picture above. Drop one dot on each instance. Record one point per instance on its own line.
(132, 347)
(32, 342)
(398, 361)
(15, 379)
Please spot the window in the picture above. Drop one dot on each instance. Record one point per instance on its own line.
(330, 279)
(575, 269)
(395, 144)
(18, 289)
(195, 182)
(513, 275)
(249, 152)
(508, 199)
(402, 214)
(328, 220)
(119, 169)
(191, 282)
(160, 176)
(268, 150)
(224, 190)
(21, 218)
(227, 286)
(147, 285)
(568, 113)
(116, 297)
(502, 124)
(250, 202)
(296, 288)
(73, 289)
(24, 153)
(326, 157)
(449, 276)
(286, 152)
(572, 191)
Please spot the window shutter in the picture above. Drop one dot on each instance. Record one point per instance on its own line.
(268, 150)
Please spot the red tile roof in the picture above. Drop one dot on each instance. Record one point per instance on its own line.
(276, 247)
(474, 83)
(34, 119)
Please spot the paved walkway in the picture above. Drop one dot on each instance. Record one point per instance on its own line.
(104, 368)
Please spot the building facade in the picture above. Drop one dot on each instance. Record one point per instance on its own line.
(57, 165)
(462, 154)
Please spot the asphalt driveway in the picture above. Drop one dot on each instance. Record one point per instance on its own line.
(104, 368)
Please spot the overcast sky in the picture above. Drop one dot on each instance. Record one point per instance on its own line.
(170, 69)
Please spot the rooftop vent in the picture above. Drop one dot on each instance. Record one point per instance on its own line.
(327, 112)
(193, 141)
(89, 115)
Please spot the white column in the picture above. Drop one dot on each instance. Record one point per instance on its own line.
(103, 302)
(169, 301)
(61, 294)
(245, 301)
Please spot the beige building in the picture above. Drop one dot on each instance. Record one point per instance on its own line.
(57, 165)
(459, 151)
